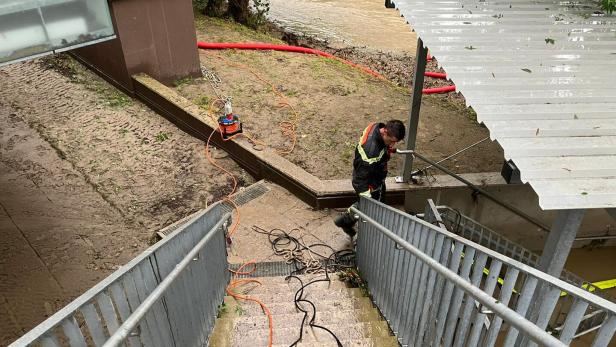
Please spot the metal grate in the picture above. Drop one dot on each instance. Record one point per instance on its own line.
(281, 268)
(267, 269)
(246, 195)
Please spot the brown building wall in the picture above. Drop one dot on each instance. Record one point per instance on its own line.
(156, 37)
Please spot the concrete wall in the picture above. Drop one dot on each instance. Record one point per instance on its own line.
(503, 221)
(156, 37)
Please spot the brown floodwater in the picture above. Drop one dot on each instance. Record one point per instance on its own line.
(356, 23)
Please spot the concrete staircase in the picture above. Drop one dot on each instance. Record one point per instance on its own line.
(346, 311)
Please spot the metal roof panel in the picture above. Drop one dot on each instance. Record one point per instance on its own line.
(539, 74)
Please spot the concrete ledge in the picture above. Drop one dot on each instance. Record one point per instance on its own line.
(267, 164)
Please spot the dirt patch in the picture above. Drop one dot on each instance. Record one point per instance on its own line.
(334, 103)
(87, 175)
(134, 158)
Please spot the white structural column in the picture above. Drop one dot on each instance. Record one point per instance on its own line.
(560, 240)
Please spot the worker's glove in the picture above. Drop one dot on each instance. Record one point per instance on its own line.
(366, 194)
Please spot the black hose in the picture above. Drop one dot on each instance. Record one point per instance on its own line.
(282, 241)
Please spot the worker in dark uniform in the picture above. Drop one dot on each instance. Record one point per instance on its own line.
(370, 165)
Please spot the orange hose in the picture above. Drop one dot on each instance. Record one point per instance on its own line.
(284, 48)
(236, 282)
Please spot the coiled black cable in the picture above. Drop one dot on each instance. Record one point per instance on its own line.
(281, 241)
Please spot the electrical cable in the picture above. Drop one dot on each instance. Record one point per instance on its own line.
(419, 171)
(236, 282)
(283, 243)
(477, 190)
(287, 127)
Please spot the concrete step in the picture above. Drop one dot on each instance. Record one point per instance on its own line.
(305, 278)
(294, 319)
(248, 308)
(313, 295)
(308, 340)
(278, 285)
(390, 341)
(344, 332)
(347, 312)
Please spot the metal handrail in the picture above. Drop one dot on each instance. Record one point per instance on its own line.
(537, 334)
(478, 190)
(530, 260)
(119, 296)
(467, 227)
(537, 301)
(565, 286)
(129, 324)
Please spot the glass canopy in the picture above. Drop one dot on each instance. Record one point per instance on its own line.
(32, 28)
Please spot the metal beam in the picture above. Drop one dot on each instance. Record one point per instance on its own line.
(413, 123)
(560, 240)
(476, 189)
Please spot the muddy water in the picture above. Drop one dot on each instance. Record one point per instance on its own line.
(594, 264)
(356, 23)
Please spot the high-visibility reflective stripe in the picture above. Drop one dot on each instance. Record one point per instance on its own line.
(607, 284)
(602, 285)
(365, 158)
(362, 141)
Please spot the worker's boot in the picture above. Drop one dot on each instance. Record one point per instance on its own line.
(346, 222)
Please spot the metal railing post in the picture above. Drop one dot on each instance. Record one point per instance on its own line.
(421, 57)
(439, 301)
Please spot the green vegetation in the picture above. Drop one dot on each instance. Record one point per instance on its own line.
(216, 26)
(252, 13)
(204, 102)
(161, 136)
(291, 92)
(76, 73)
(112, 96)
(608, 6)
(180, 82)
(348, 152)
(222, 309)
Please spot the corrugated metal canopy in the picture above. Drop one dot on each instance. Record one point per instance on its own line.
(541, 76)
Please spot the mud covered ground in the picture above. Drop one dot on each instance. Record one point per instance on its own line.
(333, 103)
(87, 176)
